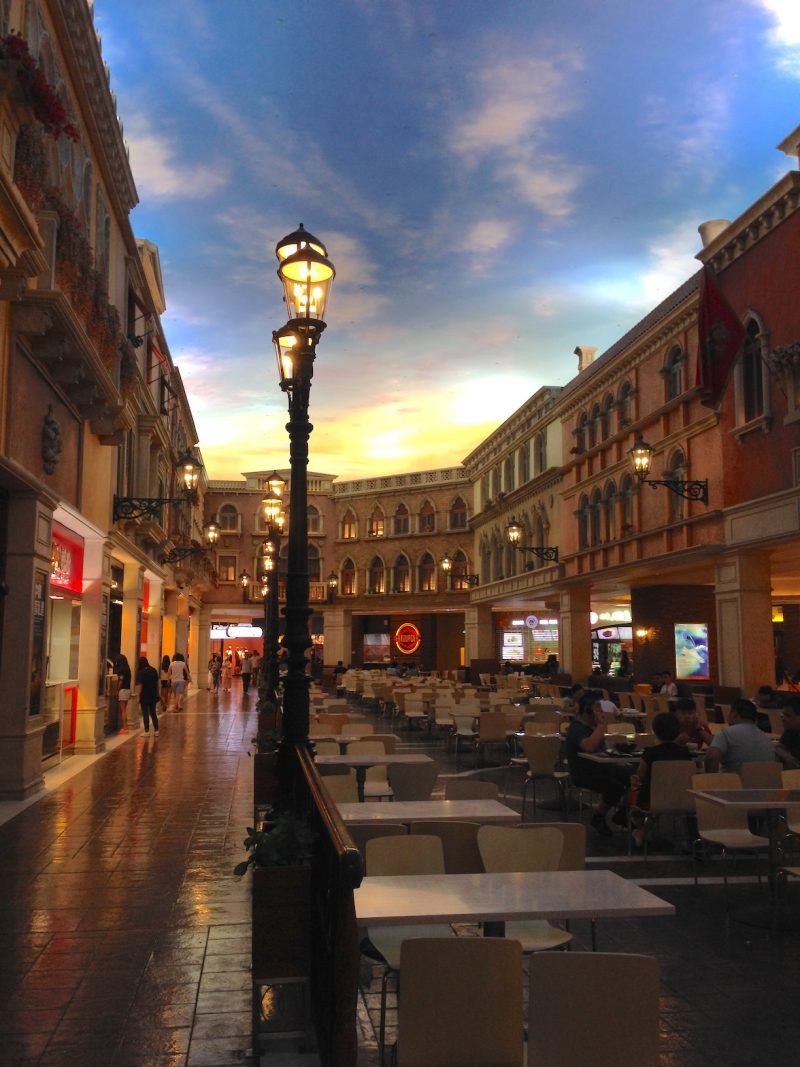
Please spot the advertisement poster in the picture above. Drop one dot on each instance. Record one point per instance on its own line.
(691, 651)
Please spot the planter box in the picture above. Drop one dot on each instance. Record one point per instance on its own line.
(265, 784)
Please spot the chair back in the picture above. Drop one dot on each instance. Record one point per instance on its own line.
(371, 747)
(327, 748)
(343, 788)
(334, 721)
(512, 848)
(459, 842)
(790, 779)
(761, 774)
(412, 781)
(465, 724)
(402, 854)
(573, 854)
(469, 789)
(492, 726)
(534, 727)
(361, 832)
(712, 816)
(545, 712)
(542, 754)
(670, 781)
(560, 980)
(389, 742)
(357, 728)
(461, 1004)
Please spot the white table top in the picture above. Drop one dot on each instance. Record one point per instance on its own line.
(375, 759)
(751, 798)
(483, 811)
(503, 897)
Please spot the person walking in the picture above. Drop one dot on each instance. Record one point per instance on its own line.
(165, 683)
(247, 667)
(147, 691)
(179, 677)
(123, 672)
(227, 672)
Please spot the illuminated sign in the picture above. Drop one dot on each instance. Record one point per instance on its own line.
(221, 632)
(66, 561)
(407, 638)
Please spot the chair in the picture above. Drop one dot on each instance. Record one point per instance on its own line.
(469, 789)
(725, 827)
(412, 781)
(491, 731)
(327, 748)
(389, 742)
(357, 728)
(464, 729)
(362, 832)
(761, 774)
(559, 981)
(333, 721)
(461, 1004)
(376, 782)
(459, 843)
(670, 781)
(541, 754)
(396, 856)
(414, 710)
(532, 848)
(343, 788)
(534, 727)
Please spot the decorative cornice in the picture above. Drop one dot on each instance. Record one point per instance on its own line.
(416, 480)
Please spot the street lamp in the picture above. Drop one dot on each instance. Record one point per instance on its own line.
(470, 580)
(210, 535)
(641, 454)
(139, 507)
(244, 581)
(333, 585)
(514, 536)
(306, 274)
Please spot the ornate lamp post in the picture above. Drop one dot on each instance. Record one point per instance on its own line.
(306, 274)
(333, 585)
(188, 468)
(272, 509)
(544, 552)
(641, 455)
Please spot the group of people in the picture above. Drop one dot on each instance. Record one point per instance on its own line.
(679, 735)
(221, 671)
(167, 688)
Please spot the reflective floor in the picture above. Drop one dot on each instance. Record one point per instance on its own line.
(124, 937)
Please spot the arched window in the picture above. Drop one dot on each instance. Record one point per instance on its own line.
(313, 563)
(228, 519)
(458, 575)
(349, 527)
(497, 558)
(427, 518)
(314, 519)
(486, 559)
(427, 574)
(673, 373)
(625, 405)
(485, 493)
(580, 432)
(458, 514)
(606, 427)
(524, 463)
(347, 578)
(626, 499)
(596, 518)
(539, 453)
(752, 374)
(509, 481)
(401, 519)
(583, 522)
(594, 427)
(402, 575)
(495, 482)
(376, 582)
(375, 526)
(611, 512)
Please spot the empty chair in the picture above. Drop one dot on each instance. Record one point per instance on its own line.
(412, 781)
(532, 848)
(400, 855)
(362, 832)
(548, 726)
(491, 732)
(357, 729)
(469, 789)
(541, 755)
(327, 748)
(726, 827)
(343, 788)
(376, 782)
(333, 721)
(464, 729)
(389, 742)
(414, 710)
(461, 1004)
(459, 843)
(560, 980)
(761, 774)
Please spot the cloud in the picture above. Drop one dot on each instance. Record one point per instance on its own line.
(783, 33)
(691, 140)
(671, 262)
(486, 235)
(522, 103)
(160, 175)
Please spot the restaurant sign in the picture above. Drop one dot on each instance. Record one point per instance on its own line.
(407, 638)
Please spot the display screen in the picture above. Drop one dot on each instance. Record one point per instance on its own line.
(691, 650)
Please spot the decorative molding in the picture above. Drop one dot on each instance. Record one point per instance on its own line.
(52, 444)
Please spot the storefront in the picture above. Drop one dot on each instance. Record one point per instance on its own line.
(59, 702)
(525, 639)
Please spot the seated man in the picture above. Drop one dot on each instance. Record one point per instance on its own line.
(668, 687)
(740, 742)
(586, 733)
(692, 732)
(788, 748)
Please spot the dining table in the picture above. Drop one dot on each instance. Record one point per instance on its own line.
(497, 898)
(362, 761)
(408, 811)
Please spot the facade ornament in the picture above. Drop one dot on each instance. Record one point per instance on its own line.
(784, 360)
(51, 442)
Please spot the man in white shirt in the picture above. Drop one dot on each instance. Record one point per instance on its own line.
(740, 742)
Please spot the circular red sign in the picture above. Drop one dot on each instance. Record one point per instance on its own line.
(407, 638)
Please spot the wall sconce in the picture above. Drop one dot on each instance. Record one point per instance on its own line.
(175, 555)
(470, 580)
(139, 507)
(514, 536)
(641, 455)
(643, 633)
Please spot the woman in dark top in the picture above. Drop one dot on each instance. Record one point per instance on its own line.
(666, 728)
(123, 672)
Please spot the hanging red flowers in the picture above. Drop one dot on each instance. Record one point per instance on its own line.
(43, 99)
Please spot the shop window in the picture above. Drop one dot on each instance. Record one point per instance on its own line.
(377, 576)
(427, 574)
(402, 575)
(458, 514)
(401, 520)
(226, 568)
(228, 519)
(673, 373)
(347, 583)
(427, 518)
(375, 526)
(349, 528)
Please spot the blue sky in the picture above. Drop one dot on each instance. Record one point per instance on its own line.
(495, 183)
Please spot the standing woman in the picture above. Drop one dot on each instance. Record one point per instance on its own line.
(147, 690)
(227, 671)
(123, 671)
(165, 686)
(179, 676)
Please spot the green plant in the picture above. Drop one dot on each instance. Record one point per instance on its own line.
(286, 840)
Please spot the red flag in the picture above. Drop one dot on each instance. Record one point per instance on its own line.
(720, 338)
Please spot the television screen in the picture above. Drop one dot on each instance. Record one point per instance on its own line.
(691, 651)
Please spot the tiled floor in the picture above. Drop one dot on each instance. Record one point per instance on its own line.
(124, 938)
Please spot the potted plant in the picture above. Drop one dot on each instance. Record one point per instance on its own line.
(266, 743)
(280, 857)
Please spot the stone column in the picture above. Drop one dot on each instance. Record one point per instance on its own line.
(92, 701)
(745, 639)
(155, 625)
(338, 624)
(574, 633)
